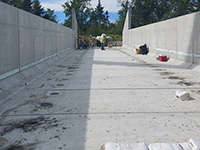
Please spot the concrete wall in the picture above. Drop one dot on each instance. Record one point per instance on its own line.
(26, 39)
(179, 38)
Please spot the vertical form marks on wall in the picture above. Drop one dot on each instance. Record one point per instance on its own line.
(9, 59)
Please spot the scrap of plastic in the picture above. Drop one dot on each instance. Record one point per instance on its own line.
(125, 146)
(194, 144)
(183, 95)
(170, 146)
(162, 55)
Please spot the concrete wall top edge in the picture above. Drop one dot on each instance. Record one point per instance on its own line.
(172, 19)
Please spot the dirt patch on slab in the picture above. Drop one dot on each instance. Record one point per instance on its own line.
(46, 105)
(41, 86)
(196, 91)
(21, 147)
(175, 78)
(159, 69)
(73, 67)
(166, 73)
(54, 93)
(3, 141)
(68, 74)
(62, 66)
(32, 96)
(60, 84)
(153, 66)
(6, 113)
(64, 79)
(29, 125)
(186, 83)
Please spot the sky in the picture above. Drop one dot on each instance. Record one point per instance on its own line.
(109, 5)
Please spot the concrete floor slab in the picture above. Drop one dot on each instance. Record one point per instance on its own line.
(93, 97)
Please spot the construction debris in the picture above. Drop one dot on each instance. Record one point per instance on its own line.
(183, 95)
(190, 145)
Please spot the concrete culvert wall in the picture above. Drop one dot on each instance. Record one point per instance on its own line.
(26, 39)
(178, 38)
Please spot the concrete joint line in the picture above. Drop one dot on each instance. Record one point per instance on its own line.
(102, 113)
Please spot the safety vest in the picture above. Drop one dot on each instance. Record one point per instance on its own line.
(102, 40)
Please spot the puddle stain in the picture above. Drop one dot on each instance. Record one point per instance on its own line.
(6, 113)
(30, 125)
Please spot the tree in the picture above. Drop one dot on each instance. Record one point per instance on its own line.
(122, 15)
(182, 7)
(106, 20)
(49, 14)
(37, 8)
(163, 10)
(197, 4)
(99, 12)
(26, 5)
(16, 3)
(6, 1)
(82, 12)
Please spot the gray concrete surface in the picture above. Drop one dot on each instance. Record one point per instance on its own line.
(178, 37)
(26, 39)
(92, 97)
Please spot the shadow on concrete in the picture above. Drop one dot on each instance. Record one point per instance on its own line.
(142, 64)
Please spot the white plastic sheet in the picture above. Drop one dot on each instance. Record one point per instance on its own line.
(125, 146)
(194, 144)
(170, 146)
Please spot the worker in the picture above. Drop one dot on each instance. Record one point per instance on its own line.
(91, 41)
(102, 40)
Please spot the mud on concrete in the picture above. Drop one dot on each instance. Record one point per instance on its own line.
(30, 125)
(165, 73)
(6, 113)
(175, 78)
(46, 105)
(187, 83)
(21, 147)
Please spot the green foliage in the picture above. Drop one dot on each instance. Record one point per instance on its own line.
(49, 14)
(26, 5)
(99, 13)
(150, 11)
(82, 12)
(122, 15)
(37, 8)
